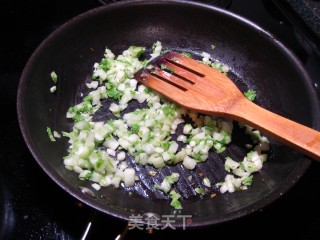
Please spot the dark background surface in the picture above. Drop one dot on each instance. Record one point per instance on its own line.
(33, 207)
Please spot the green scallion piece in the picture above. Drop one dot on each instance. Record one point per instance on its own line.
(49, 131)
(54, 76)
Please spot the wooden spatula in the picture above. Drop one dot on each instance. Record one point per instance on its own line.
(203, 89)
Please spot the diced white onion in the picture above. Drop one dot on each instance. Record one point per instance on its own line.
(129, 177)
(189, 163)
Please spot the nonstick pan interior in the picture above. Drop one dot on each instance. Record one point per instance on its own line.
(257, 60)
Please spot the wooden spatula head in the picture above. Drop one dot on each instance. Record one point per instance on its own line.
(191, 84)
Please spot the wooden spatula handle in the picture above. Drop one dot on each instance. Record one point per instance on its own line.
(298, 136)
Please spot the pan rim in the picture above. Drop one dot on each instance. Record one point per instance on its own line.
(119, 213)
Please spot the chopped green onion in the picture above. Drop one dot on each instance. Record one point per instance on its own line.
(200, 191)
(113, 92)
(136, 51)
(248, 180)
(167, 183)
(54, 77)
(51, 137)
(250, 94)
(175, 200)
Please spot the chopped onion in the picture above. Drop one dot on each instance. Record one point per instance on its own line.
(97, 150)
(129, 177)
(189, 163)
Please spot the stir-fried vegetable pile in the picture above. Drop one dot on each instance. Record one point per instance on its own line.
(98, 149)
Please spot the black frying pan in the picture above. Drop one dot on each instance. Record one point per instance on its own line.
(257, 61)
